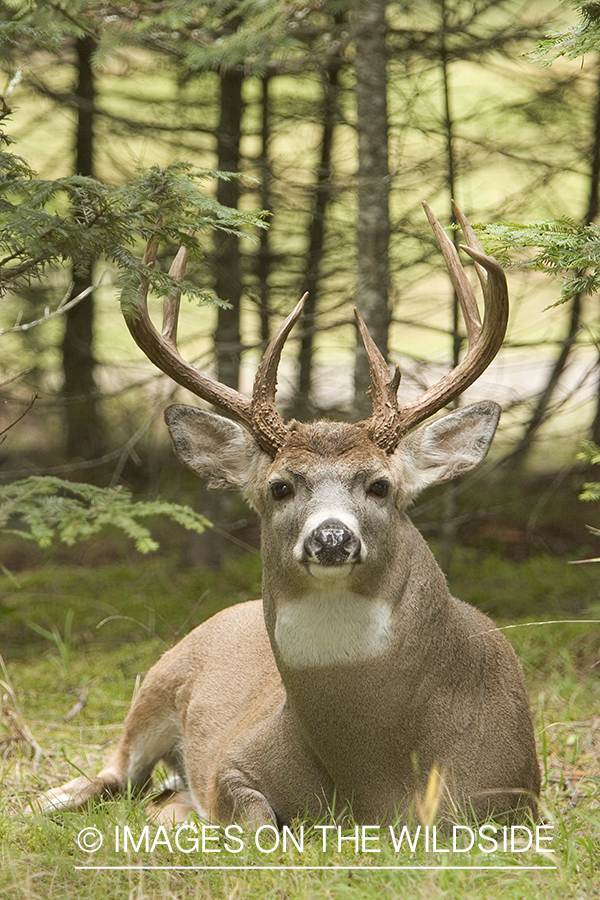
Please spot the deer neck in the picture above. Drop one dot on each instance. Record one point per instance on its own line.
(340, 623)
(356, 666)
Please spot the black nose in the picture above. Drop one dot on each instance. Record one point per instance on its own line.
(332, 544)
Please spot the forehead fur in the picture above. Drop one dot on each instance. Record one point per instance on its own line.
(329, 440)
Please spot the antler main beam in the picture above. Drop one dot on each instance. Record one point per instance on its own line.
(390, 421)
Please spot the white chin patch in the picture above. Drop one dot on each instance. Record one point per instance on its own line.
(330, 573)
(330, 629)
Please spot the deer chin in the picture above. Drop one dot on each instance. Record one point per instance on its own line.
(330, 574)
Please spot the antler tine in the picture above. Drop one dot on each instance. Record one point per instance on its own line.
(495, 298)
(383, 390)
(472, 241)
(458, 276)
(161, 349)
(172, 303)
(490, 274)
(264, 412)
(486, 341)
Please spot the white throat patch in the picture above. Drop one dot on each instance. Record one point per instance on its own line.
(329, 628)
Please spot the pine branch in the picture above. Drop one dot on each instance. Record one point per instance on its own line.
(77, 219)
(557, 247)
(44, 509)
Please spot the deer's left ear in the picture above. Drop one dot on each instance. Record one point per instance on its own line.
(448, 447)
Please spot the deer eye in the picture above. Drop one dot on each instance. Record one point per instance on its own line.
(280, 490)
(379, 488)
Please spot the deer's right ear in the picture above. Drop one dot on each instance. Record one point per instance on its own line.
(212, 446)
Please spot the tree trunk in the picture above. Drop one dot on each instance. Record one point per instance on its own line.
(208, 549)
(83, 431)
(228, 270)
(373, 226)
(264, 252)
(303, 407)
(592, 214)
(448, 521)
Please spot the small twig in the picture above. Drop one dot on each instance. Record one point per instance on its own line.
(531, 624)
(23, 731)
(234, 540)
(16, 79)
(17, 420)
(77, 706)
(64, 306)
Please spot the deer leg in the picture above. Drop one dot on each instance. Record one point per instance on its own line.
(237, 801)
(172, 807)
(152, 731)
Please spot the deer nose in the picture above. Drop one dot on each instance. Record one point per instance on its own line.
(332, 544)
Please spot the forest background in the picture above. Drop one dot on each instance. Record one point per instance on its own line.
(330, 123)
(338, 122)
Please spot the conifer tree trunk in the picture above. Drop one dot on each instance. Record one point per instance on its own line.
(448, 520)
(83, 431)
(302, 404)
(217, 506)
(264, 253)
(592, 215)
(228, 270)
(373, 226)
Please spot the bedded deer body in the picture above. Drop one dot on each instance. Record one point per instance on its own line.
(359, 677)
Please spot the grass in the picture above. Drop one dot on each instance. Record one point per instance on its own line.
(65, 656)
(116, 603)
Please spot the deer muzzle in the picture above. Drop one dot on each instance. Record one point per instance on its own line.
(332, 543)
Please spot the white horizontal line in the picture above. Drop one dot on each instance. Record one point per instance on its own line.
(294, 868)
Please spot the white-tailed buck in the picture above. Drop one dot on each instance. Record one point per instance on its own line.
(359, 677)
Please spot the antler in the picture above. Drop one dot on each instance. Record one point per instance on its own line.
(390, 421)
(259, 414)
